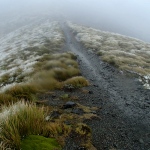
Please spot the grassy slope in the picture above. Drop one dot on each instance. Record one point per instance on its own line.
(125, 53)
(33, 64)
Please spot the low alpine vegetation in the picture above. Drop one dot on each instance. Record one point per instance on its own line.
(125, 53)
(33, 68)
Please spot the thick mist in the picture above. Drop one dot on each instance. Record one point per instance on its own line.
(127, 17)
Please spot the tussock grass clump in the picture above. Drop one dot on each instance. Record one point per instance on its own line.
(6, 99)
(22, 91)
(19, 120)
(45, 81)
(5, 79)
(54, 69)
(57, 130)
(63, 74)
(77, 82)
(83, 130)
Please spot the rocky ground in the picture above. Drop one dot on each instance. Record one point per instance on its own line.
(122, 101)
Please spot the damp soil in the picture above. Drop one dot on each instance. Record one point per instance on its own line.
(123, 104)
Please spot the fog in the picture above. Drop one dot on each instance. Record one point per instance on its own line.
(127, 17)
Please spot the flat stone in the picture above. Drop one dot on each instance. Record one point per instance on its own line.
(69, 104)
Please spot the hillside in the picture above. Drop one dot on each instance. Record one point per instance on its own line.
(126, 53)
(73, 87)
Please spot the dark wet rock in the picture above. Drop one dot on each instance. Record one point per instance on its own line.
(53, 95)
(95, 85)
(127, 103)
(81, 148)
(69, 104)
(90, 92)
(113, 115)
(78, 111)
(115, 145)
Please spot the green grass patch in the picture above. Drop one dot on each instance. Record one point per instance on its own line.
(33, 142)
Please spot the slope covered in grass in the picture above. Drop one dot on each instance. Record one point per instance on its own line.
(21, 49)
(125, 53)
(33, 64)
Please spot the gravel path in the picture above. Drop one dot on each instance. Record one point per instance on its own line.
(125, 105)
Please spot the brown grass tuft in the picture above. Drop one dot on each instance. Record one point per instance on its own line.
(6, 99)
(77, 82)
(22, 91)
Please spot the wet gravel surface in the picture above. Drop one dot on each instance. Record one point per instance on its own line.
(124, 105)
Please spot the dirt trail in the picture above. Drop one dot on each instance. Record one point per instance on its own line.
(125, 105)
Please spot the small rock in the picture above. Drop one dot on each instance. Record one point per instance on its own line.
(127, 103)
(148, 102)
(69, 104)
(141, 141)
(90, 92)
(47, 118)
(113, 115)
(93, 112)
(115, 145)
(53, 96)
(81, 148)
(95, 85)
(121, 72)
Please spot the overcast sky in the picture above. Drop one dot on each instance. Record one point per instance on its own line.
(129, 17)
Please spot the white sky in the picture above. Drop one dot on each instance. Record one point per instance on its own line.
(129, 17)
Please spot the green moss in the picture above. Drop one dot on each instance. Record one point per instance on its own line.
(33, 142)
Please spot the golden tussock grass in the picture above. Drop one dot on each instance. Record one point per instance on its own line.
(6, 99)
(23, 119)
(77, 82)
(22, 91)
(18, 121)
